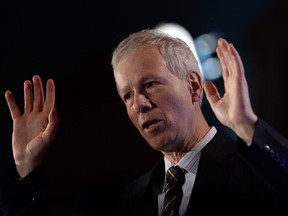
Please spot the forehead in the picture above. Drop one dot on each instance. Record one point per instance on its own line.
(141, 61)
(140, 65)
(145, 56)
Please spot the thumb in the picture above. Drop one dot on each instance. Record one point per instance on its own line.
(211, 92)
(50, 131)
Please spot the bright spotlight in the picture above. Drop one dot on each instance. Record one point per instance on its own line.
(180, 32)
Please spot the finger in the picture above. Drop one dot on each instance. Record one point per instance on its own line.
(50, 131)
(232, 58)
(236, 61)
(221, 53)
(222, 63)
(212, 93)
(50, 96)
(38, 93)
(28, 96)
(14, 110)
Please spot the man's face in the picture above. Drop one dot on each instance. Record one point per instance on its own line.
(158, 103)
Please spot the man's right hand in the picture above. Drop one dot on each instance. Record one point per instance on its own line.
(35, 129)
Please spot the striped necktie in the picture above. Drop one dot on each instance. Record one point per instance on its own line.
(173, 188)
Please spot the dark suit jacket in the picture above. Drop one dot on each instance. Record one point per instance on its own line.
(273, 164)
(225, 185)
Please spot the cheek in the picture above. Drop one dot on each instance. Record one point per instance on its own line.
(177, 102)
(132, 118)
(129, 114)
(179, 97)
(178, 109)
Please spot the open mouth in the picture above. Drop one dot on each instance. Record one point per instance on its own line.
(149, 124)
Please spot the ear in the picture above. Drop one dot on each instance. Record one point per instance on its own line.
(195, 85)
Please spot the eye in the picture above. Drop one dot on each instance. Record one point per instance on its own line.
(127, 96)
(150, 84)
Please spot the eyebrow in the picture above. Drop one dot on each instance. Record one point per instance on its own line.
(127, 88)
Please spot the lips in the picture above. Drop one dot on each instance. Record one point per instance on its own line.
(149, 123)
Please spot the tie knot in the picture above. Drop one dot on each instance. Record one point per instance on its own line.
(175, 174)
(173, 190)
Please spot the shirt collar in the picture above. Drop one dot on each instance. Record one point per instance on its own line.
(190, 160)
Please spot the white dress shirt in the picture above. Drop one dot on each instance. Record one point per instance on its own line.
(190, 163)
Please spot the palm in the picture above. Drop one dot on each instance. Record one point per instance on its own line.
(28, 134)
(234, 106)
(34, 130)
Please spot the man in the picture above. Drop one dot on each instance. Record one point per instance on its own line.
(160, 83)
(158, 79)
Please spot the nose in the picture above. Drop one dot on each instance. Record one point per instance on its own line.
(141, 103)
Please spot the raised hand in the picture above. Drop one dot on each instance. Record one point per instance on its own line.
(35, 129)
(233, 109)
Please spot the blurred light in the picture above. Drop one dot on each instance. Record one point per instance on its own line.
(180, 32)
(206, 45)
(203, 47)
(212, 68)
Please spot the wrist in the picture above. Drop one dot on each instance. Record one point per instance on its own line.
(246, 129)
(25, 167)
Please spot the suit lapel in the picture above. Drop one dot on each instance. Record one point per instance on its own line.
(213, 172)
(149, 186)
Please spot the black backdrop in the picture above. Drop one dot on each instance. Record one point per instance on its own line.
(71, 42)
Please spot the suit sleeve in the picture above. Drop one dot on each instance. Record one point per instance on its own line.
(23, 196)
(268, 154)
(273, 144)
(33, 196)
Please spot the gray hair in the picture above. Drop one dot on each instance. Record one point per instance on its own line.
(178, 56)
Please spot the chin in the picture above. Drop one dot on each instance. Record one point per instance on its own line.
(159, 146)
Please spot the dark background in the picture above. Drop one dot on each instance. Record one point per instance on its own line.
(72, 41)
